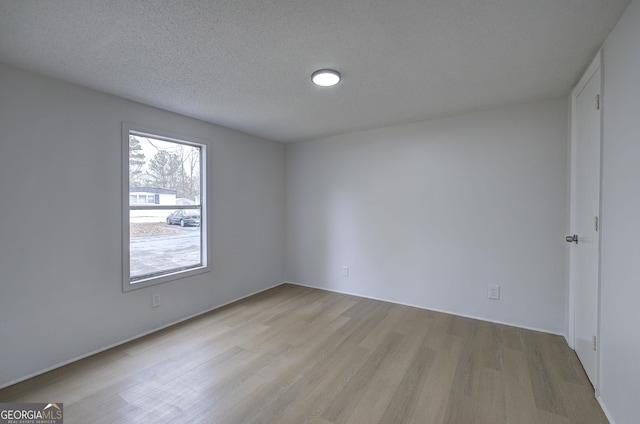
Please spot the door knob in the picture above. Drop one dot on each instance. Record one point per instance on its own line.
(572, 239)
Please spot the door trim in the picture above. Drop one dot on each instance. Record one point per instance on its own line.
(596, 64)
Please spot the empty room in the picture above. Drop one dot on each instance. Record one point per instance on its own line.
(354, 211)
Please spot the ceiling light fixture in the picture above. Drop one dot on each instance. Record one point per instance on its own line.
(325, 77)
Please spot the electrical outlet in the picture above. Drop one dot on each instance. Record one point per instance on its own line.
(345, 271)
(493, 292)
(155, 300)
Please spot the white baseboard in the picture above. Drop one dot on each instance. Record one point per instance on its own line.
(430, 309)
(605, 410)
(146, 333)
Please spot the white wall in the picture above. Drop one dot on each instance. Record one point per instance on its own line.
(620, 283)
(60, 253)
(430, 213)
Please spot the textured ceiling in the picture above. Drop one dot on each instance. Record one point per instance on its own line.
(246, 64)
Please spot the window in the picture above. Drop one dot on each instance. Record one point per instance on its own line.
(164, 207)
(143, 198)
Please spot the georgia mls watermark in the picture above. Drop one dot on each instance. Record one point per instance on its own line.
(31, 413)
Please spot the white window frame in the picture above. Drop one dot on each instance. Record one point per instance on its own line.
(127, 284)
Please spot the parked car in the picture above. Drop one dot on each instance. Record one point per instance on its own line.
(185, 217)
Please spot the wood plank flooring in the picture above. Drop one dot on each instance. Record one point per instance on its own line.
(296, 355)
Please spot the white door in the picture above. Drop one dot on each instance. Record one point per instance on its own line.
(585, 205)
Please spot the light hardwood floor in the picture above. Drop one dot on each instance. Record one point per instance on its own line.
(294, 355)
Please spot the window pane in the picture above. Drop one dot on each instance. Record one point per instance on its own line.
(164, 167)
(157, 248)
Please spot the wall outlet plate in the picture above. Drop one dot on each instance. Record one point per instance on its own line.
(493, 292)
(155, 300)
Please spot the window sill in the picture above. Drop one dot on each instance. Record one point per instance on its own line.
(165, 278)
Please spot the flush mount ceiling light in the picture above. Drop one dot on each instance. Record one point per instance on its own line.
(325, 77)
